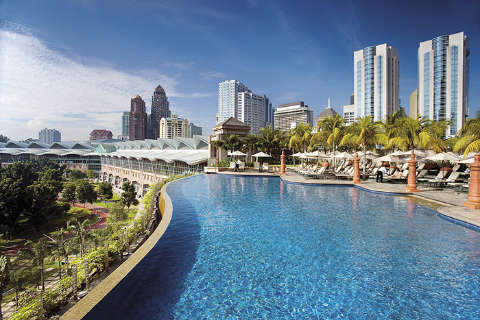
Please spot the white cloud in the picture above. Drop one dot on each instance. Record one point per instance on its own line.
(213, 75)
(40, 87)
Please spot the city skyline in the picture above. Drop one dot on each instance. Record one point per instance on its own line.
(79, 78)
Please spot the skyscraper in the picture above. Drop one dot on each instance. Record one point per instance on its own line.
(237, 101)
(173, 127)
(443, 64)
(376, 81)
(138, 119)
(194, 130)
(125, 124)
(160, 109)
(269, 119)
(49, 136)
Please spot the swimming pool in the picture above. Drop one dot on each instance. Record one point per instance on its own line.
(257, 247)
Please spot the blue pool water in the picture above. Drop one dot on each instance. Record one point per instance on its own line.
(257, 247)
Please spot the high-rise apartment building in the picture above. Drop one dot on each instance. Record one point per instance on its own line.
(49, 136)
(138, 119)
(125, 124)
(349, 114)
(160, 109)
(237, 101)
(443, 71)
(289, 115)
(194, 130)
(173, 127)
(376, 81)
(413, 108)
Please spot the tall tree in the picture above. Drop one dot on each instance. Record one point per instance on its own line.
(232, 142)
(129, 196)
(85, 192)
(268, 139)
(69, 192)
(105, 191)
(79, 230)
(58, 242)
(4, 278)
(37, 252)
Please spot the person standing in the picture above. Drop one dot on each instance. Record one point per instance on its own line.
(380, 173)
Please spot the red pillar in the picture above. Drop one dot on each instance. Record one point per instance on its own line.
(474, 187)
(356, 170)
(412, 174)
(282, 163)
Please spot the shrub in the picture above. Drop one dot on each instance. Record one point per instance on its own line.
(96, 259)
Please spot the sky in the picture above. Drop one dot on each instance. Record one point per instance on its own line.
(74, 65)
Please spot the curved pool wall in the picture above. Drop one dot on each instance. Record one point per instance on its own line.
(257, 247)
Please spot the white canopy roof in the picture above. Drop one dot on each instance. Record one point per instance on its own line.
(443, 156)
(236, 153)
(191, 157)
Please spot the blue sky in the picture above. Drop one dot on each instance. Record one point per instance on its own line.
(74, 64)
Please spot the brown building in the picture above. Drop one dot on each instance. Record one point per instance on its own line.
(220, 131)
(100, 134)
(160, 109)
(138, 119)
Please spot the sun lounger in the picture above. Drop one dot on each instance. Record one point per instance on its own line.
(256, 166)
(265, 167)
(439, 180)
(232, 165)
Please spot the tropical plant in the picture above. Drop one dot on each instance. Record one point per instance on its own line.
(37, 252)
(58, 242)
(80, 232)
(300, 138)
(362, 134)
(268, 139)
(69, 192)
(469, 137)
(231, 142)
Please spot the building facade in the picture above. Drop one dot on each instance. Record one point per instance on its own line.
(349, 114)
(160, 109)
(376, 86)
(49, 136)
(194, 130)
(413, 108)
(173, 127)
(443, 72)
(125, 125)
(327, 112)
(289, 115)
(138, 119)
(100, 134)
(237, 101)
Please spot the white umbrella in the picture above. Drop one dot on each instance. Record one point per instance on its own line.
(443, 156)
(389, 158)
(343, 155)
(316, 154)
(417, 153)
(298, 154)
(237, 153)
(261, 155)
(370, 155)
(467, 161)
(397, 153)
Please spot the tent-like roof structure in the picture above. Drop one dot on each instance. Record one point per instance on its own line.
(190, 157)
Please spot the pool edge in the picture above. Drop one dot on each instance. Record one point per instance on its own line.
(87, 303)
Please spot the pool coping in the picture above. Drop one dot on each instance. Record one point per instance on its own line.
(87, 303)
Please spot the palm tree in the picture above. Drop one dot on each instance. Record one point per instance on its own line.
(469, 137)
(365, 134)
(60, 248)
(231, 142)
(300, 138)
(330, 133)
(249, 143)
(37, 252)
(412, 133)
(80, 232)
(268, 139)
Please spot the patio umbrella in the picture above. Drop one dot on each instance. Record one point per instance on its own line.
(389, 158)
(443, 156)
(297, 155)
(397, 153)
(343, 155)
(261, 155)
(467, 161)
(237, 153)
(370, 155)
(417, 153)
